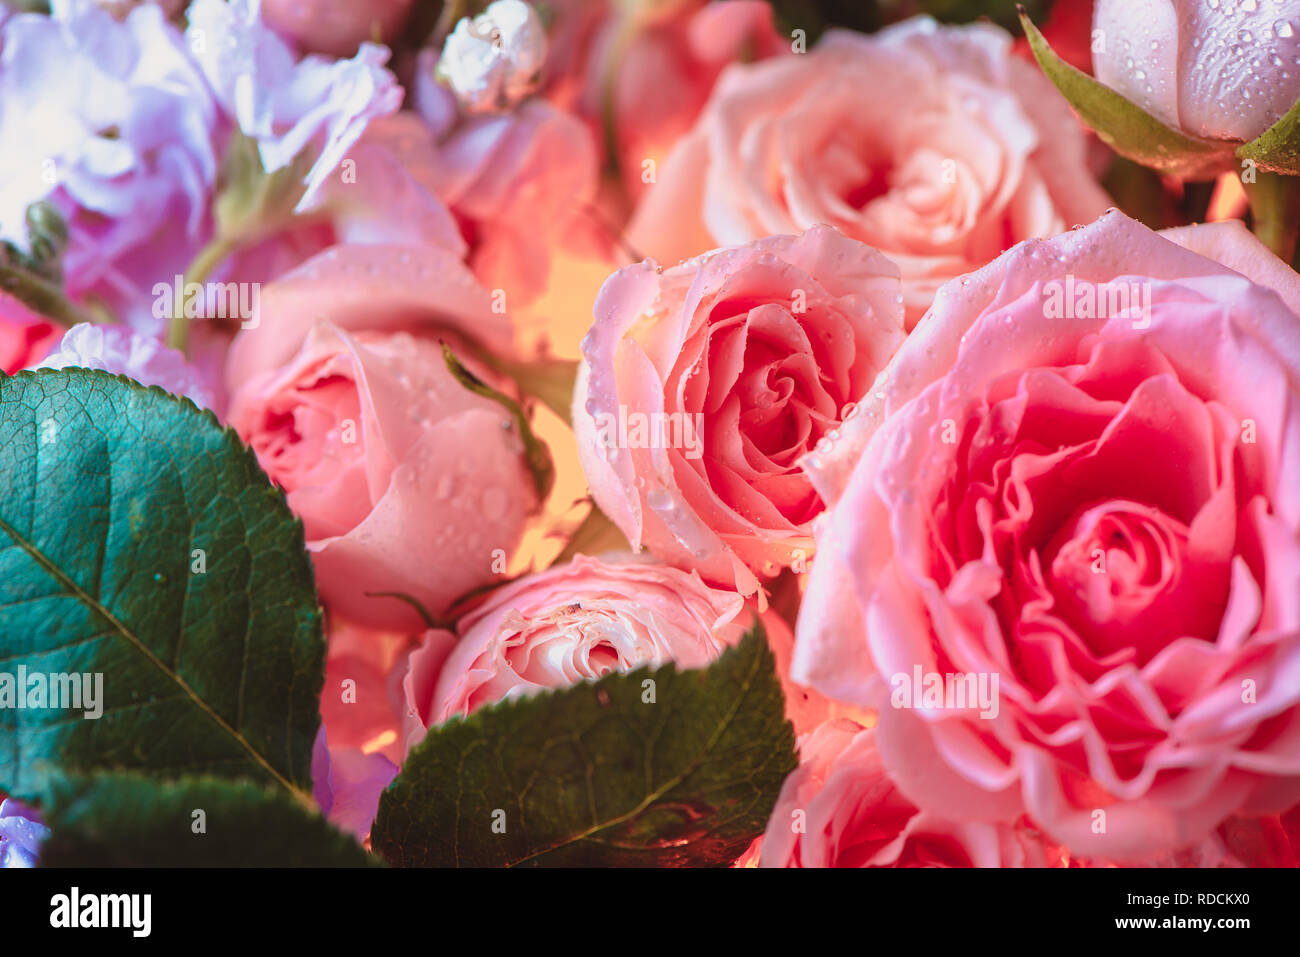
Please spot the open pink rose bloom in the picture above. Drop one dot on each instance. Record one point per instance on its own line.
(709, 433)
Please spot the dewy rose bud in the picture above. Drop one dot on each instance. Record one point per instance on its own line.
(933, 144)
(703, 385)
(1095, 504)
(405, 480)
(1216, 70)
(575, 622)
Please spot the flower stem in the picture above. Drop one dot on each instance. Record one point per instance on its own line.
(1275, 207)
(208, 258)
(40, 296)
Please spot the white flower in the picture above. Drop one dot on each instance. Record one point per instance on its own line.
(492, 61)
(118, 350)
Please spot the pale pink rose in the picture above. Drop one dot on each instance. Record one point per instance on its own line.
(1099, 513)
(517, 182)
(839, 809)
(933, 144)
(405, 480)
(1220, 71)
(704, 384)
(336, 27)
(25, 337)
(574, 622)
(123, 351)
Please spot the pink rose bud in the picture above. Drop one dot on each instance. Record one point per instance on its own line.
(705, 384)
(1216, 70)
(405, 480)
(1063, 563)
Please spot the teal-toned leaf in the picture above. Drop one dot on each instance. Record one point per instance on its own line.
(123, 819)
(651, 768)
(140, 541)
(1277, 149)
(1126, 127)
(536, 454)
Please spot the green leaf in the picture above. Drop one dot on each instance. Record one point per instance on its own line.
(123, 819)
(140, 541)
(1126, 127)
(596, 775)
(536, 454)
(1277, 149)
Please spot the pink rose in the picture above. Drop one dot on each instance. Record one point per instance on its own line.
(933, 144)
(336, 27)
(1085, 516)
(839, 809)
(1217, 71)
(25, 337)
(574, 622)
(405, 480)
(704, 384)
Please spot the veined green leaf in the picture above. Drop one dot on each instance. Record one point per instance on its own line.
(657, 767)
(124, 819)
(141, 542)
(1277, 149)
